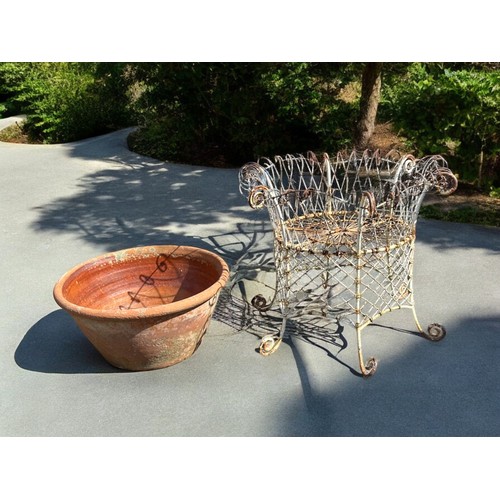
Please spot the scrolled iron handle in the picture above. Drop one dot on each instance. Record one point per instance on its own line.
(257, 196)
(445, 181)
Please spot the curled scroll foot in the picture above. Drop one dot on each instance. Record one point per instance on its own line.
(260, 303)
(269, 344)
(435, 332)
(370, 368)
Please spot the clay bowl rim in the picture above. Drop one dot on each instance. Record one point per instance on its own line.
(147, 312)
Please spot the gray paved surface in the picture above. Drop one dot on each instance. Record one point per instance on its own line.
(63, 204)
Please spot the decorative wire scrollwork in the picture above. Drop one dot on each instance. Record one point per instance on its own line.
(369, 203)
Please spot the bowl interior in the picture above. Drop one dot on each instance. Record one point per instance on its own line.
(135, 281)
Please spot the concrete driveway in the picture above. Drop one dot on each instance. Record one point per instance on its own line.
(62, 204)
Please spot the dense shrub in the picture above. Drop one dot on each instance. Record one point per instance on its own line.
(67, 101)
(12, 76)
(233, 112)
(451, 110)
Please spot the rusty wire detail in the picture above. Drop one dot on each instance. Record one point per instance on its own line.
(344, 233)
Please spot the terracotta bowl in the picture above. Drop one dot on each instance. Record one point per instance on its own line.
(147, 307)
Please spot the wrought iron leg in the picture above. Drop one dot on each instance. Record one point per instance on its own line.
(369, 368)
(259, 301)
(270, 343)
(435, 331)
(419, 327)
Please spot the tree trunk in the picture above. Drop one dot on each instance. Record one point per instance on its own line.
(480, 168)
(370, 97)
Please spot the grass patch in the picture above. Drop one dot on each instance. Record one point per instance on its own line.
(468, 214)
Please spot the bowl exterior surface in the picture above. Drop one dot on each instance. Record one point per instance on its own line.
(148, 343)
(144, 308)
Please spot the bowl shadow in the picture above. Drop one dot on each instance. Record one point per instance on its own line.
(55, 345)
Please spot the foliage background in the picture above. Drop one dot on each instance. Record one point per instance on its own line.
(452, 109)
(65, 102)
(224, 114)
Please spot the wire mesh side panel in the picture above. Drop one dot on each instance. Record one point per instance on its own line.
(345, 284)
(385, 282)
(309, 283)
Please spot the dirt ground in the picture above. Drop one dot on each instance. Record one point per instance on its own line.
(466, 195)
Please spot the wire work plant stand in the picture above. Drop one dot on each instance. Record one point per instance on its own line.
(344, 234)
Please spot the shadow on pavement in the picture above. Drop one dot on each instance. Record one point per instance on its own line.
(55, 345)
(443, 236)
(132, 200)
(445, 389)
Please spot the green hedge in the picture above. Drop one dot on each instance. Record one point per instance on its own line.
(451, 111)
(66, 101)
